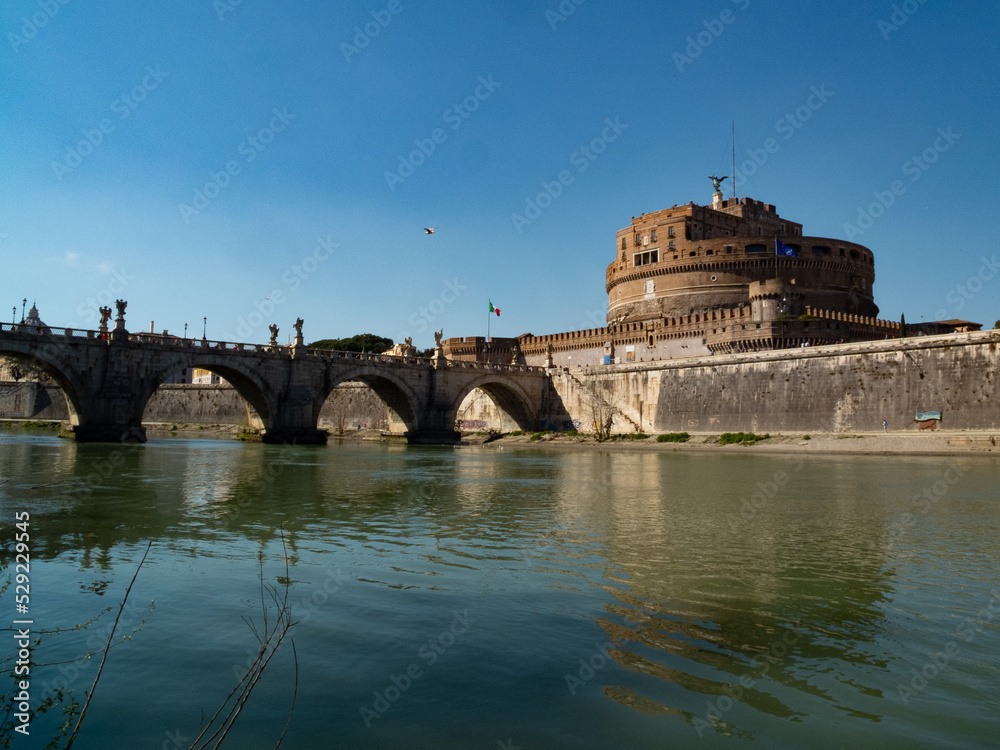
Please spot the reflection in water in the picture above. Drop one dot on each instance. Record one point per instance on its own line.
(615, 598)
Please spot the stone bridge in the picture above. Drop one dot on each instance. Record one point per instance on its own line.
(108, 378)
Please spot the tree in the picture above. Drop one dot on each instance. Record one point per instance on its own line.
(996, 325)
(603, 396)
(23, 368)
(362, 342)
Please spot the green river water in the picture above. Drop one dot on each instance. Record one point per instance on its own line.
(486, 598)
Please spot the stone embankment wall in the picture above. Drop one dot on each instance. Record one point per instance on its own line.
(31, 400)
(844, 387)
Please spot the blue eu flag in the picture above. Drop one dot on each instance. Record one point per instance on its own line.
(782, 249)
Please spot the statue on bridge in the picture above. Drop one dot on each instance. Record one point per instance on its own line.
(274, 335)
(105, 317)
(438, 356)
(120, 320)
(298, 327)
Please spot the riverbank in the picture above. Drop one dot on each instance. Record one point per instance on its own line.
(942, 442)
(855, 443)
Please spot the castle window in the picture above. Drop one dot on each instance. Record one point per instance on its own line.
(670, 244)
(820, 250)
(729, 249)
(623, 256)
(755, 249)
(854, 254)
(710, 252)
(670, 231)
(653, 236)
(624, 243)
(638, 240)
(644, 259)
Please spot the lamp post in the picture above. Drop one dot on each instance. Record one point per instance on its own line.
(204, 327)
(185, 331)
(24, 304)
(13, 317)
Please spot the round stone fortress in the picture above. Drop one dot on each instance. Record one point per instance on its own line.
(694, 280)
(696, 260)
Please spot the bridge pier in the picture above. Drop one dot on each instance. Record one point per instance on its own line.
(294, 436)
(434, 437)
(109, 433)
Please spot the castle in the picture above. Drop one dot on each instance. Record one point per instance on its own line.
(690, 280)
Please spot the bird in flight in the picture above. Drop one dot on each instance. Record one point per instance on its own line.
(429, 230)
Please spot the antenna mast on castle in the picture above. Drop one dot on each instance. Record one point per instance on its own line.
(734, 159)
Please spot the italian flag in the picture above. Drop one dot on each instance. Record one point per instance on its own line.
(494, 309)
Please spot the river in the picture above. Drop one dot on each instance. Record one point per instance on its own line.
(486, 598)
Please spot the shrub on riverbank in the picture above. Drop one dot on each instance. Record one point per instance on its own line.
(673, 437)
(741, 438)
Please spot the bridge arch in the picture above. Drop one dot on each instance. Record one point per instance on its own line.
(253, 388)
(395, 393)
(53, 362)
(510, 398)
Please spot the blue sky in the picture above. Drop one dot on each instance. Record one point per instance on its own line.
(254, 162)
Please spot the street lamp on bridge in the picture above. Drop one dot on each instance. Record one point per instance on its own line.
(24, 304)
(204, 327)
(185, 331)
(13, 316)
